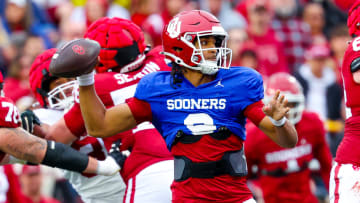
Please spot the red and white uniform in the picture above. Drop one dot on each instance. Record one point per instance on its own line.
(345, 174)
(293, 182)
(9, 116)
(148, 171)
(10, 190)
(91, 188)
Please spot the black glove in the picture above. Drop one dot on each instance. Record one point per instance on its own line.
(28, 119)
(119, 156)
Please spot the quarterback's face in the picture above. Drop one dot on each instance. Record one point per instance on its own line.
(207, 42)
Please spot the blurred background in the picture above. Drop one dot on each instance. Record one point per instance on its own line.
(305, 38)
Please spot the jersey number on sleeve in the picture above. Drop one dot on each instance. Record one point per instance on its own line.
(12, 114)
(356, 44)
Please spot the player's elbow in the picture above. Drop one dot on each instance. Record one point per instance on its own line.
(97, 133)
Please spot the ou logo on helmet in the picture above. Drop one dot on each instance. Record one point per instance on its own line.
(174, 27)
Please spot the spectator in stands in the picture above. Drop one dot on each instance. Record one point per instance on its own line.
(237, 37)
(269, 49)
(70, 30)
(31, 182)
(248, 57)
(323, 95)
(96, 9)
(224, 12)
(314, 16)
(338, 41)
(333, 14)
(146, 14)
(291, 32)
(25, 16)
(18, 73)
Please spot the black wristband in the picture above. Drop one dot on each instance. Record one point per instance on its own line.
(64, 157)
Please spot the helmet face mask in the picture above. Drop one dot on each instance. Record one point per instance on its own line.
(61, 97)
(223, 54)
(183, 31)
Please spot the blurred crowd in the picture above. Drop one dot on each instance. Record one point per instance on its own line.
(305, 38)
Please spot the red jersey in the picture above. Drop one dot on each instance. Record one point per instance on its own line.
(348, 151)
(9, 116)
(276, 161)
(114, 88)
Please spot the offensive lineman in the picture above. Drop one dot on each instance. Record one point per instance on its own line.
(13, 139)
(54, 95)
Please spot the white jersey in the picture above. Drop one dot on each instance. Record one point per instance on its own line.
(91, 188)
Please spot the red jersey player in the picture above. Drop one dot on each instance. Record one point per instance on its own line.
(13, 139)
(284, 174)
(54, 95)
(148, 171)
(345, 174)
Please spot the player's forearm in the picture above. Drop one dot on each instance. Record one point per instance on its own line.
(286, 135)
(93, 110)
(59, 132)
(22, 145)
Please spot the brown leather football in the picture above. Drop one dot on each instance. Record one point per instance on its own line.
(75, 58)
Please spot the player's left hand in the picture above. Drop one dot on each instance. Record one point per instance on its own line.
(29, 120)
(277, 107)
(115, 152)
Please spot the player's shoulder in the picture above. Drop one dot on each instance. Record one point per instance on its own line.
(243, 71)
(311, 119)
(155, 58)
(153, 84)
(6, 99)
(353, 50)
(243, 75)
(156, 78)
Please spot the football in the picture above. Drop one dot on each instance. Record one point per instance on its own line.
(75, 58)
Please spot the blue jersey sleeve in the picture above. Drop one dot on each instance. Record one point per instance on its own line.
(255, 87)
(250, 87)
(143, 88)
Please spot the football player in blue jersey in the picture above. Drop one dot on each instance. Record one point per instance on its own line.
(200, 108)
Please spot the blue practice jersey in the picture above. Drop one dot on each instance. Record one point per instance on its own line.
(203, 109)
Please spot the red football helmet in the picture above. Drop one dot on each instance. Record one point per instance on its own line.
(354, 19)
(179, 37)
(291, 89)
(40, 79)
(122, 44)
